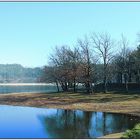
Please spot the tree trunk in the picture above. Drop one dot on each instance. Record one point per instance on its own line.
(66, 86)
(74, 86)
(105, 85)
(57, 86)
(105, 77)
(126, 86)
(138, 77)
(62, 86)
(121, 78)
(91, 88)
(88, 87)
(130, 79)
(126, 83)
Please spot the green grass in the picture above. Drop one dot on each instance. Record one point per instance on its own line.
(132, 134)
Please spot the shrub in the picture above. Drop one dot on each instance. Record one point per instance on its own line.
(132, 134)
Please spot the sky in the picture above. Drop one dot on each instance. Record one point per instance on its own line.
(30, 30)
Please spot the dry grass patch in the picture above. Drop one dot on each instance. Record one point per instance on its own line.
(110, 102)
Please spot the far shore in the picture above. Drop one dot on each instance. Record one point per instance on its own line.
(27, 84)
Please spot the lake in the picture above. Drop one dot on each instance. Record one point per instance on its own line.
(27, 87)
(31, 122)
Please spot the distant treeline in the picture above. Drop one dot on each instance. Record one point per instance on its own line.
(96, 59)
(15, 73)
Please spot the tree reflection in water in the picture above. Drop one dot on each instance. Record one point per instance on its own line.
(79, 124)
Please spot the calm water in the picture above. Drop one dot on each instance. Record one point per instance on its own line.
(27, 88)
(29, 122)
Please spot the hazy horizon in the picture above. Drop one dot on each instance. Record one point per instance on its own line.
(30, 30)
(22, 65)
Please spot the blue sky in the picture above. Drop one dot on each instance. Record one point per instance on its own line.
(30, 30)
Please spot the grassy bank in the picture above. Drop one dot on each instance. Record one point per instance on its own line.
(112, 136)
(109, 102)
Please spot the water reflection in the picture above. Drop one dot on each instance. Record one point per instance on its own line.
(66, 124)
(78, 124)
(30, 122)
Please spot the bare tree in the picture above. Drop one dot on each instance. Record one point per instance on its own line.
(50, 75)
(103, 45)
(60, 61)
(125, 61)
(86, 63)
(74, 64)
(136, 61)
(66, 64)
